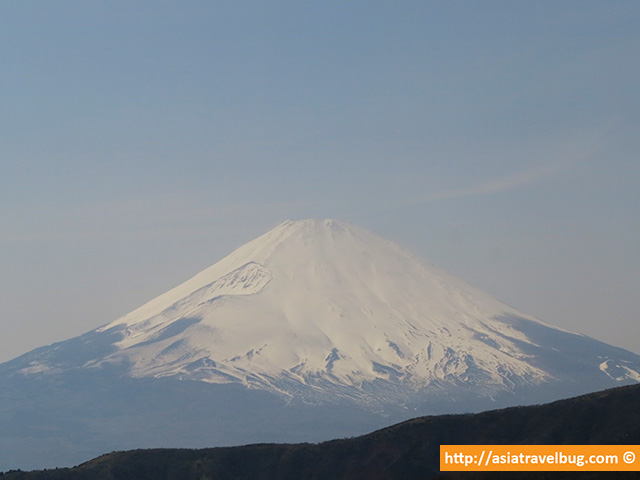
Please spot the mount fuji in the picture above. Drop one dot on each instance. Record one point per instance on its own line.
(316, 329)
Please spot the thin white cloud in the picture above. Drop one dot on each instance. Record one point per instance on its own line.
(558, 158)
(511, 182)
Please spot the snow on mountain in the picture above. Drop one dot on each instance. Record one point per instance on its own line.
(321, 310)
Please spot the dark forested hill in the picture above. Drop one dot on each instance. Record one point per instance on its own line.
(406, 451)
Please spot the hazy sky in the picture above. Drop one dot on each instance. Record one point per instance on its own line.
(143, 141)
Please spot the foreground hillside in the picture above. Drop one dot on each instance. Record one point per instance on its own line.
(405, 451)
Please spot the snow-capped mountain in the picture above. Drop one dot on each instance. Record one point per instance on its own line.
(321, 311)
(315, 330)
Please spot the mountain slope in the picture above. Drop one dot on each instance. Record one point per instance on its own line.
(323, 310)
(406, 451)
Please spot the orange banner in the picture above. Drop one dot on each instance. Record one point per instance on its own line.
(561, 458)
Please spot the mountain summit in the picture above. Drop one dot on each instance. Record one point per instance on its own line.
(322, 310)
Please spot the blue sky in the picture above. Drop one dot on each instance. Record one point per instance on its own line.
(143, 141)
